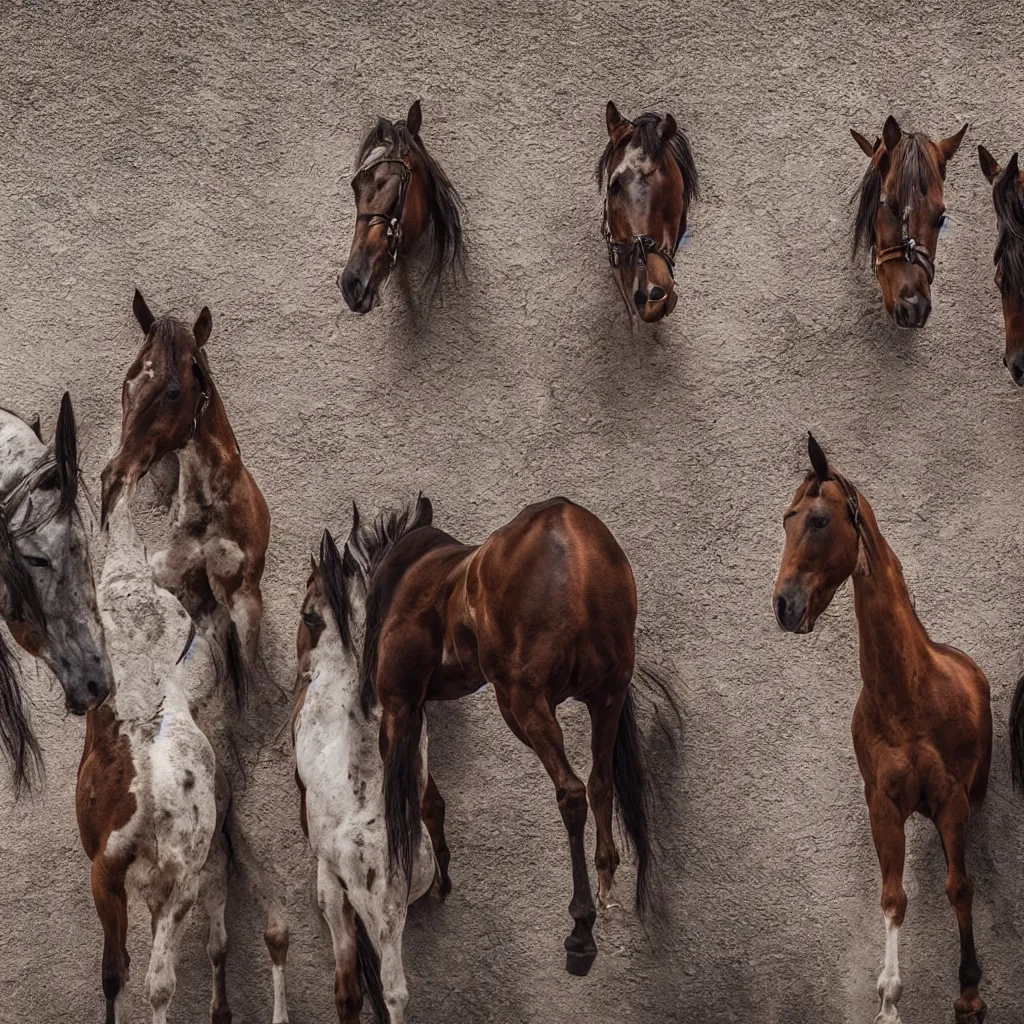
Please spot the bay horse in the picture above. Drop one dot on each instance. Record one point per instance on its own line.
(650, 180)
(544, 610)
(900, 213)
(1008, 199)
(922, 728)
(340, 777)
(47, 592)
(147, 792)
(220, 527)
(401, 193)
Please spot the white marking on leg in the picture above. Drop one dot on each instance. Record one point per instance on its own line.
(280, 996)
(889, 986)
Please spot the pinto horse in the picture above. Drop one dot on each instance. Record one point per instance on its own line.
(922, 728)
(47, 593)
(221, 528)
(401, 193)
(544, 610)
(1008, 199)
(649, 179)
(363, 900)
(900, 212)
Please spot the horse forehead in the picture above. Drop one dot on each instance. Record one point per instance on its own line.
(375, 154)
(633, 159)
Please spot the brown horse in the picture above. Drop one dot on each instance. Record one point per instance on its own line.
(401, 193)
(922, 729)
(1008, 199)
(900, 212)
(650, 180)
(544, 610)
(221, 527)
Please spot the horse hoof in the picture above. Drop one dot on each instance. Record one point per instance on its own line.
(446, 886)
(967, 1014)
(579, 964)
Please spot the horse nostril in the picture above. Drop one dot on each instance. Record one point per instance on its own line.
(94, 690)
(780, 609)
(656, 294)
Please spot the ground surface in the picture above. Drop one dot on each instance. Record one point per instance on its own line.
(202, 157)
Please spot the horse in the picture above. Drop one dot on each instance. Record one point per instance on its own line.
(649, 179)
(47, 592)
(900, 213)
(401, 193)
(1008, 199)
(363, 900)
(220, 529)
(922, 728)
(544, 610)
(147, 792)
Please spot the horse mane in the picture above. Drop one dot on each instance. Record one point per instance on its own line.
(447, 247)
(374, 542)
(1009, 204)
(647, 134)
(912, 167)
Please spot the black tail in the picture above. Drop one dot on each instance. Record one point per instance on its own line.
(369, 973)
(634, 790)
(402, 792)
(238, 666)
(1017, 737)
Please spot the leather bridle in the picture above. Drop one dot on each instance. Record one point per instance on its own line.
(203, 401)
(635, 252)
(393, 217)
(909, 249)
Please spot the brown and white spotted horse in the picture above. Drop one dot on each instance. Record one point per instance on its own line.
(47, 593)
(221, 526)
(900, 212)
(922, 728)
(650, 182)
(401, 194)
(544, 610)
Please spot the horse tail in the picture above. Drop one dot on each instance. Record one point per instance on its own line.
(369, 973)
(402, 812)
(237, 664)
(17, 740)
(634, 785)
(1017, 737)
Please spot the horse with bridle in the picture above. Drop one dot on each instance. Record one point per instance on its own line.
(402, 194)
(900, 213)
(340, 777)
(1008, 199)
(649, 180)
(47, 592)
(544, 610)
(922, 728)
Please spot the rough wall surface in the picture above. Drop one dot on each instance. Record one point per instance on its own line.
(201, 156)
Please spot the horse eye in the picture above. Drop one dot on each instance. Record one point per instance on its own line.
(615, 186)
(943, 222)
(37, 562)
(173, 392)
(819, 522)
(311, 619)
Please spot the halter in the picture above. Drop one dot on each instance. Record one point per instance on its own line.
(909, 249)
(203, 401)
(637, 251)
(393, 218)
(853, 507)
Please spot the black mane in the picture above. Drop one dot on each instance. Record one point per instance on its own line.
(1009, 204)
(447, 249)
(912, 167)
(335, 571)
(647, 135)
(373, 543)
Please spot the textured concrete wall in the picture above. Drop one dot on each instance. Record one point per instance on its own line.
(201, 156)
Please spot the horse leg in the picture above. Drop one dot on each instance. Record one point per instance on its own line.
(951, 822)
(887, 830)
(604, 724)
(111, 901)
(340, 917)
(433, 818)
(214, 889)
(541, 727)
(392, 970)
(169, 921)
(276, 938)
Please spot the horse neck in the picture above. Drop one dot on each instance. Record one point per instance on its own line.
(893, 642)
(334, 679)
(213, 447)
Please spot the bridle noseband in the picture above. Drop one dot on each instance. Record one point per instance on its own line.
(392, 218)
(637, 251)
(909, 249)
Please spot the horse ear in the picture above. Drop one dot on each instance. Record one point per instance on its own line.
(142, 313)
(989, 164)
(869, 150)
(414, 119)
(891, 133)
(203, 325)
(424, 515)
(667, 129)
(819, 462)
(65, 451)
(1012, 167)
(36, 426)
(312, 567)
(948, 147)
(617, 124)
